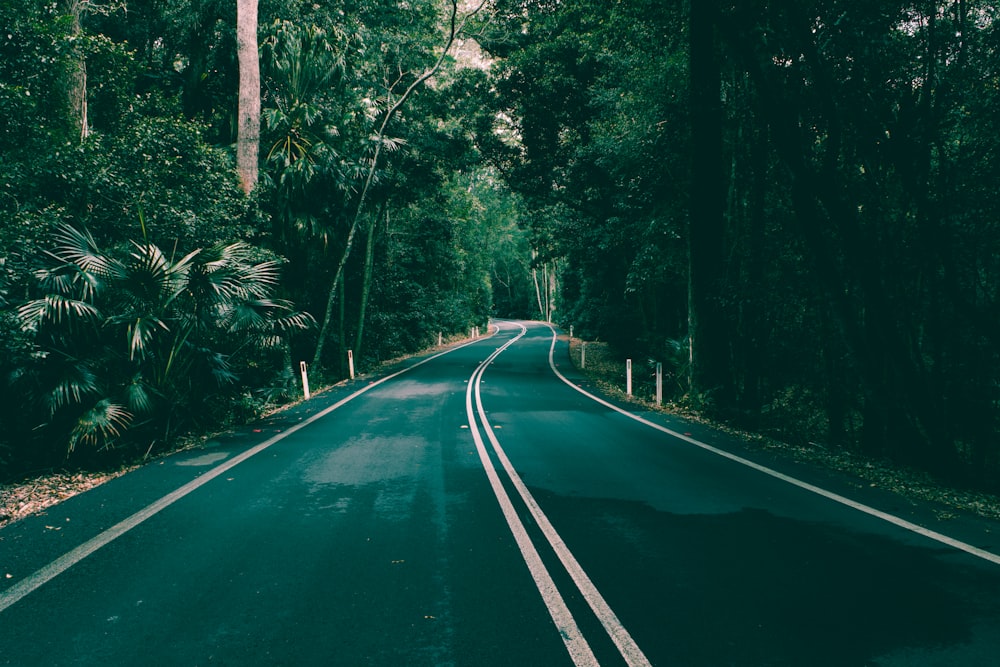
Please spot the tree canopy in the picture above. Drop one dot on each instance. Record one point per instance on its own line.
(790, 204)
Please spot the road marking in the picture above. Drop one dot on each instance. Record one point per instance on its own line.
(616, 630)
(579, 650)
(49, 572)
(836, 497)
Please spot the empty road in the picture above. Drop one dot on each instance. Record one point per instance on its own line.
(478, 507)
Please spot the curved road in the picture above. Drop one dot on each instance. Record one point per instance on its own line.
(478, 507)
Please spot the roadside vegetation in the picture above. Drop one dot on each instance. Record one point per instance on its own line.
(792, 206)
(151, 290)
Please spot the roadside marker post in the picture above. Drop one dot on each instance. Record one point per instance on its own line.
(628, 377)
(350, 363)
(583, 354)
(305, 380)
(659, 384)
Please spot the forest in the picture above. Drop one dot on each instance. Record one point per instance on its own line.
(791, 205)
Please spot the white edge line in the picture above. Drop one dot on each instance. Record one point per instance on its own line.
(629, 650)
(836, 497)
(576, 644)
(45, 574)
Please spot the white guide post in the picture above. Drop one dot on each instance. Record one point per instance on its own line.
(350, 363)
(659, 384)
(628, 377)
(305, 380)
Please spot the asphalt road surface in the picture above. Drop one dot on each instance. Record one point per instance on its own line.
(475, 508)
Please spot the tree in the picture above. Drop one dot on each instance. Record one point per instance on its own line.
(77, 87)
(409, 82)
(708, 333)
(248, 110)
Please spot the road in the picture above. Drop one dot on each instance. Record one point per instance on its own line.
(475, 508)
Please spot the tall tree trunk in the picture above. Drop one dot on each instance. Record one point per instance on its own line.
(548, 292)
(248, 106)
(366, 280)
(342, 327)
(706, 260)
(538, 289)
(77, 85)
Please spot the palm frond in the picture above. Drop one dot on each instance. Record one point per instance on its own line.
(246, 316)
(70, 280)
(296, 321)
(153, 278)
(77, 382)
(139, 396)
(56, 309)
(139, 334)
(100, 426)
(79, 248)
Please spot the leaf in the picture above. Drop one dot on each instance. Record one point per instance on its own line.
(101, 425)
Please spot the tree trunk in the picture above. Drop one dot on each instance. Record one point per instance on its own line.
(77, 85)
(706, 260)
(248, 107)
(538, 290)
(366, 283)
(342, 327)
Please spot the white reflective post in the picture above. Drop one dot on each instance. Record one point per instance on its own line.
(305, 380)
(659, 384)
(350, 363)
(628, 377)
(583, 355)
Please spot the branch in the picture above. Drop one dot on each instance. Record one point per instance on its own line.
(455, 26)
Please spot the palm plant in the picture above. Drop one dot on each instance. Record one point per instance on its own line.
(135, 337)
(304, 67)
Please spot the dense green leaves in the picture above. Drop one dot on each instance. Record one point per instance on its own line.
(142, 294)
(133, 333)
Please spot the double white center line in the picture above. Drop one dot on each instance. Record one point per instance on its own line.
(576, 644)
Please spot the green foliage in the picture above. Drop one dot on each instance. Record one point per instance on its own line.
(312, 125)
(859, 242)
(35, 54)
(598, 151)
(132, 340)
(165, 314)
